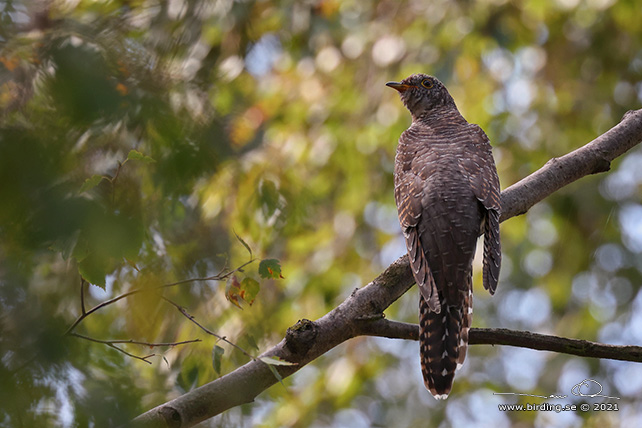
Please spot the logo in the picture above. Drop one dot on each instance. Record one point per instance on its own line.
(588, 384)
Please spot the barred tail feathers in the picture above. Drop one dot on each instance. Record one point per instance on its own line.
(443, 342)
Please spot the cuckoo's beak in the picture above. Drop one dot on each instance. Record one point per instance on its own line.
(401, 87)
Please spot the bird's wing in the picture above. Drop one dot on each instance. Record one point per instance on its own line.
(408, 194)
(482, 175)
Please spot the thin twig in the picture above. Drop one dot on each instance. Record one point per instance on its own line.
(218, 277)
(112, 344)
(82, 295)
(205, 329)
(135, 342)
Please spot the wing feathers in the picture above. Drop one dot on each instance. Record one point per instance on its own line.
(492, 251)
(421, 270)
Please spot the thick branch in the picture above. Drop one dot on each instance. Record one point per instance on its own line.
(303, 343)
(358, 314)
(593, 158)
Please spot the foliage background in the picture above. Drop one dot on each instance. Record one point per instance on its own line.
(270, 119)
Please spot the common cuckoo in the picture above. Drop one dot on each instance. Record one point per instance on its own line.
(447, 194)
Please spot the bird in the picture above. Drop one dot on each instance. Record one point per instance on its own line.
(447, 194)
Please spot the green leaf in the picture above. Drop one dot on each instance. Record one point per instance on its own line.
(217, 356)
(249, 289)
(270, 268)
(94, 268)
(276, 361)
(91, 182)
(276, 374)
(247, 247)
(81, 250)
(136, 155)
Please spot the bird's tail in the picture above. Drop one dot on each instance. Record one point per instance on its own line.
(443, 341)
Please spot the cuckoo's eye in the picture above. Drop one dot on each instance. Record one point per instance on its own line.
(426, 83)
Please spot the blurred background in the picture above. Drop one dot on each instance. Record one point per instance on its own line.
(270, 120)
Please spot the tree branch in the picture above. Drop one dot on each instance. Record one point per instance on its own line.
(522, 339)
(592, 158)
(113, 343)
(358, 314)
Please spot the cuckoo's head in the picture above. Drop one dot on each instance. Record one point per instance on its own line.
(422, 94)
